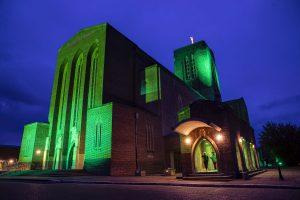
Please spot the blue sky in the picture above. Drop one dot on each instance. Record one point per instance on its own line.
(256, 45)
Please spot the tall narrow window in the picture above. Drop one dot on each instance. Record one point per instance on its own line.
(187, 68)
(76, 90)
(62, 96)
(149, 137)
(193, 67)
(179, 102)
(93, 78)
(98, 134)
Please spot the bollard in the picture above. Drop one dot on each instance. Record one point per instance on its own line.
(279, 173)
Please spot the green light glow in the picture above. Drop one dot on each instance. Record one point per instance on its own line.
(238, 155)
(249, 155)
(184, 114)
(34, 138)
(78, 86)
(278, 161)
(195, 65)
(204, 66)
(27, 145)
(152, 84)
(76, 115)
(98, 139)
(205, 146)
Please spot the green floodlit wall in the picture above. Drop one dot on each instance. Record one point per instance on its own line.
(195, 65)
(77, 87)
(34, 138)
(40, 143)
(151, 84)
(238, 156)
(27, 145)
(184, 114)
(203, 62)
(249, 155)
(98, 139)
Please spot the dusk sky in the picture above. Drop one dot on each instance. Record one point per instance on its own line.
(256, 45)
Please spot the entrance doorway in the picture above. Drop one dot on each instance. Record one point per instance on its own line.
(205, 157)
(70, 158)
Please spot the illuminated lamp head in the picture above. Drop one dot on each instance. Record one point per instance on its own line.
(241, 139)
(188, 140)
(38, 152)
(219, 137)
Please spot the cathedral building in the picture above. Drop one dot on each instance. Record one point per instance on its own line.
(116, 111)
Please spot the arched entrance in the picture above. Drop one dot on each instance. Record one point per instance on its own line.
(70, 157)
(205, 157)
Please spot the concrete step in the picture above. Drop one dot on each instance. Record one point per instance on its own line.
(207, 174)
(64, 173)
(208, 177)
(256, 172)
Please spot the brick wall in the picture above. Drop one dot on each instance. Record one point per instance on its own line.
(123, 142)
(231, 129)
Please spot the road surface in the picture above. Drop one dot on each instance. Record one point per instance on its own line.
(65, 191)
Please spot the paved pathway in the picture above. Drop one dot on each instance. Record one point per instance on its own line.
(73, 191)
(264, 186)
(268, 179)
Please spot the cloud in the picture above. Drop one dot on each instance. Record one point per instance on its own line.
(14, 115)
(292, 100)
(17, 91)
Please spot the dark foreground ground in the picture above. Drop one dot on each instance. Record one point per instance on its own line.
(94, 191)
(122, 188)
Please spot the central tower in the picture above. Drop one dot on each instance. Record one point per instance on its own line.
(195, 65)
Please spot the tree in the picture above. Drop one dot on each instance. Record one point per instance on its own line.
(280, 142)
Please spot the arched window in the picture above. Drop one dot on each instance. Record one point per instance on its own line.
(93, 77)
(98, 134)
(76, 89)
(149, 137)
(63, 93)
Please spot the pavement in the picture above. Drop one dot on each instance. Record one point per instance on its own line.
(267, 179)
(263, 186)
(65, 191)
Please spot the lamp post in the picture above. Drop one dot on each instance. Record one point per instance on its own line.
(137, 168)
(279, 163)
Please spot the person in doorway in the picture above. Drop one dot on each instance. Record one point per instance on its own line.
(214, 159)
(205, 160)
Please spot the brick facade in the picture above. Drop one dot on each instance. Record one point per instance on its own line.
(114, 109)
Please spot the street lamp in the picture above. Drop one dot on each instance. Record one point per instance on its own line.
(38, 152)
(11, 161)
(241, 139)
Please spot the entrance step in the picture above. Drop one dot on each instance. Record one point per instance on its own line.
(207, 174)
(208, 177)
(256, 172)
(65, 173)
